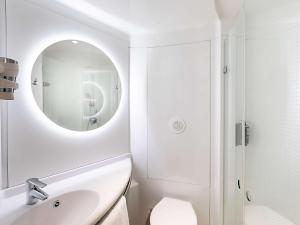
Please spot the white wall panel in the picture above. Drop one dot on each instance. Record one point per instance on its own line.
(179, 86)
(36, 146)
(151, 190)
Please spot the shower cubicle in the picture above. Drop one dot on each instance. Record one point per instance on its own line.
(262, 115)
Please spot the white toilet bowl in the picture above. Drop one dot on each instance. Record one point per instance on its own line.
(171, 211)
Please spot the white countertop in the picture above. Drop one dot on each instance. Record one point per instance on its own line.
(108, 181)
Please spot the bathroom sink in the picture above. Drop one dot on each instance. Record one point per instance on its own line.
(73, 208)
(83, 199)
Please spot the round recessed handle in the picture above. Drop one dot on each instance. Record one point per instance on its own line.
(177, 125)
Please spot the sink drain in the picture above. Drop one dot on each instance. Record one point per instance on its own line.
(56, 204)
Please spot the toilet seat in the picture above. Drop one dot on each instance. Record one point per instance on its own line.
(173, 212)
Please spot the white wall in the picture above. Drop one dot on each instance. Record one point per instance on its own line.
(179, 86)
(155, 170)
(272, 108)
(36, 146)
(207, 202)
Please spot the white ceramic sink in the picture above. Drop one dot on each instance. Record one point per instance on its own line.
(73, 208)
(84, 198)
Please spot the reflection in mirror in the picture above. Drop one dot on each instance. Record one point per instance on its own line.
(76, 85)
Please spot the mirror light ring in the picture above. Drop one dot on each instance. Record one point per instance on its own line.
(104, 101)
(32, 104)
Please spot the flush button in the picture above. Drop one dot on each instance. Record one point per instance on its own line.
(177, 125)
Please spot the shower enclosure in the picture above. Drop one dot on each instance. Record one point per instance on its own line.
(262, 103)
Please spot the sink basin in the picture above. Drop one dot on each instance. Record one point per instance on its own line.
(83, 198)
(73, 208)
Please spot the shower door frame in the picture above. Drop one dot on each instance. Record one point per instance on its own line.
(234, 113)
(3, 104)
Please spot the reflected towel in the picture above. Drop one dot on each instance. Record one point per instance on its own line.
(118, 215)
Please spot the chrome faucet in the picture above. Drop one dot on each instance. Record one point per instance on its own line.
(35, 192)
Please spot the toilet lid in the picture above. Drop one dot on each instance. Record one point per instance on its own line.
(173, 212)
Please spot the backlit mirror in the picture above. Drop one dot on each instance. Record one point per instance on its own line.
(76, 85)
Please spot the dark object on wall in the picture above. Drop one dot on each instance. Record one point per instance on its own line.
(9, 70)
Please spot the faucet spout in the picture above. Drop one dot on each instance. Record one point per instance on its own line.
(35, 192)
(39, 194)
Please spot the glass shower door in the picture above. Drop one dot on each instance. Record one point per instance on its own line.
(272, 110)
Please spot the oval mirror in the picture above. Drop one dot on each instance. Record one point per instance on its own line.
(76, 85)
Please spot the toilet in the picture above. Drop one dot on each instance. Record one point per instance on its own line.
(171, 211)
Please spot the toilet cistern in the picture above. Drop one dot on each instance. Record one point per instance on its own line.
(35, 192)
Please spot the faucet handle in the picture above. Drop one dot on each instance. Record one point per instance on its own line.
(36, 182)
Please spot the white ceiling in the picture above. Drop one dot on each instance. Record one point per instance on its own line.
(257, 6)
(147, 16)
(168, 15)
(118, 8)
